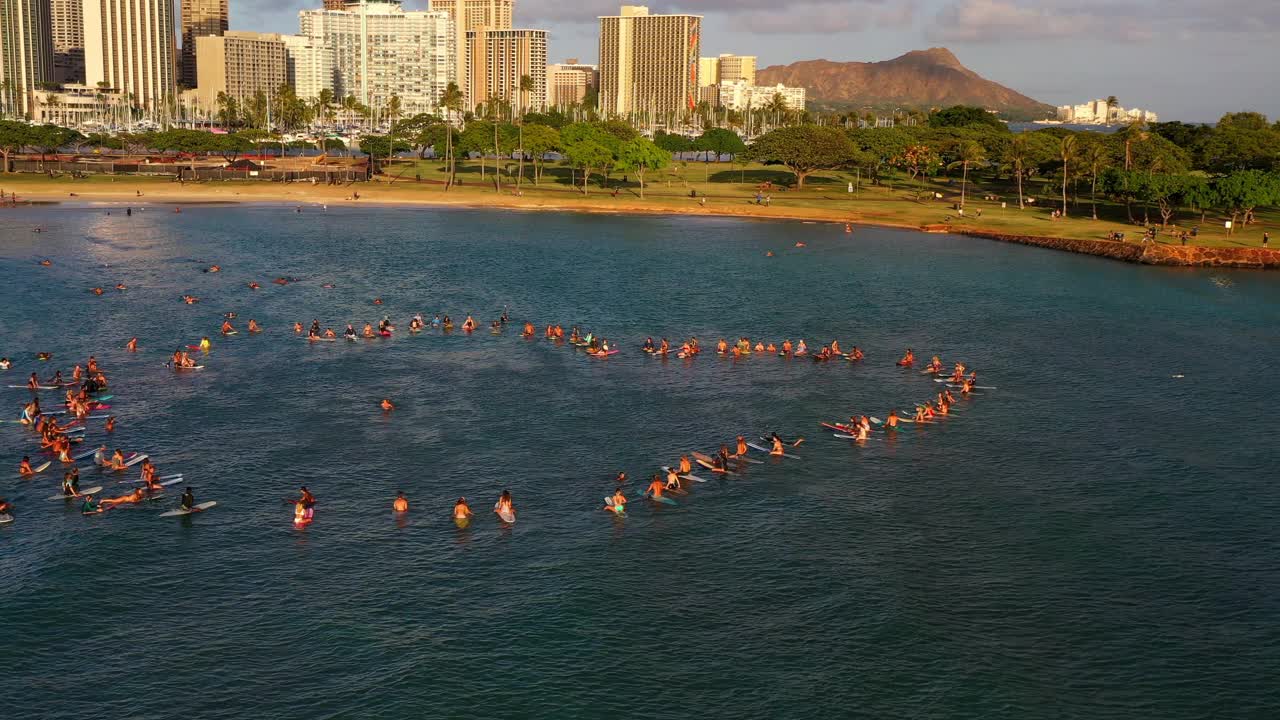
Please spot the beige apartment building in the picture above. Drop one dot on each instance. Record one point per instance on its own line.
(67, 27)
(26, 54)
(473, 16)
(199, 18)
(648, 63)
(568, 83)
(495, 62)
(239, 64)
(129, 45)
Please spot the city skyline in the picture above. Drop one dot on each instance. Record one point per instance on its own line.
(1181, 59)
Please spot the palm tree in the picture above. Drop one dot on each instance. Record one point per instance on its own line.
(1112, 103)
(1096, 158)
(1017, 155)
(393, 112)
(451, 101)
(970, 153)
(1070, 147)
(526, 87)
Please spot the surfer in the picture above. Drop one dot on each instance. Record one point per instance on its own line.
(90, 506)
(349, 333)
(5, 363)
(673, 479)
(401, 503)
(297, 328)
(855, 354)
(188, 501)
(686, 467)
(149, 475)
(655, 488)
(253, 326)
(132, 345)
(470, 324)
(801, 348)
(24, 467)
(795, 443)
(136, 496)
(227, 329)
(71, 483)
(117, 461)
(908, 358)
(386, 404)
(504, 505)
(33, 383)
(5, 505)
(461, 510)
(892, 420)
(618, 502)
(329, 334)
(777, 447)
(648, 345)
(621, 479)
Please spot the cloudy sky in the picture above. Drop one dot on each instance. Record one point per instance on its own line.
(1187, 60)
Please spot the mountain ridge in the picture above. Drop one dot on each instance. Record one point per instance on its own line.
(934, 77)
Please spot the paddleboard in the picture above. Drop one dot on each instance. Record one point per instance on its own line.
(767, 451)
(86, 491)
(505, 514)
(619, 510)
(462, 522)
(200, 507)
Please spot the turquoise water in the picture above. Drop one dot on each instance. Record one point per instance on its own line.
(1093, 539)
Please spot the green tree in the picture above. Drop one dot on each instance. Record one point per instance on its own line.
(1242, 141)
(1067, 153)
(586, 155)
(1244, 190)
(963, 116)
(1095, 158)
(641, 155)
(1112, 103)
(451, 100)
(804, 149)
(13, 137)
(526, 86)
(672, 142)
(720, 142)
(538, 141)
(968, 154)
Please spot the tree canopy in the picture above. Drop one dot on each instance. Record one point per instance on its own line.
(804, 149)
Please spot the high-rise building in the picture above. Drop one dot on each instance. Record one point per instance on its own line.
(335, 4)
(732, 68)
(473, 15)
(708, 71)
(26, 53)
(570, 82)
(496, 61)
(129, 45)
(310, 65)
(380, 50)
(648, 63)
(740, 95)
(240, 64)
(199, 18)
(67, 26)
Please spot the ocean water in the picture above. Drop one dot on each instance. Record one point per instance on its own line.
(1095, 538)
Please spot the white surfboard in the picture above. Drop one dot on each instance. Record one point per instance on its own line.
(506, 515)
(5, 519)
(767, 451)
(136, 459)
(42, 467)
(694, 478)
(161, 480)
(200, 507)
(86, 491)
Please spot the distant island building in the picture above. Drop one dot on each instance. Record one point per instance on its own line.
(1097, 112)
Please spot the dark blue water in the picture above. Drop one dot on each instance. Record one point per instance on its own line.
(1093, 539)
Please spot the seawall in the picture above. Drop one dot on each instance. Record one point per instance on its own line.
(1147, 253)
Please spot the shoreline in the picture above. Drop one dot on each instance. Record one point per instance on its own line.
(1158, 253)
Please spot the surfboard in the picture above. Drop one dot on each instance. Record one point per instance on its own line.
(42, 467)
(321, 339)
(175, 476)
(975, 387)
(462, 522)
(767, 451)
(506, 515)
(692, 477)
(179, 367)
(233, 332)
(5, 519)
(38, 387)
(619, 510)
(86, 491)
(712, 467)
(200, 507)
(137, 458)
(604, 354)
(662, 499)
